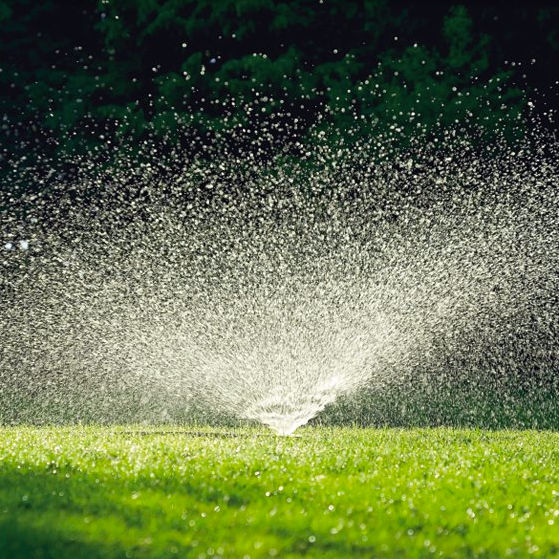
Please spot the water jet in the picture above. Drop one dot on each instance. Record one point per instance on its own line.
(281, 291)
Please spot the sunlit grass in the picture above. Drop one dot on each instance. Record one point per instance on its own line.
(163, 492)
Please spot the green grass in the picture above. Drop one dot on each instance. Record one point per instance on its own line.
(69, 493)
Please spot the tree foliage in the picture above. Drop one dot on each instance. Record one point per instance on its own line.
(84, 73)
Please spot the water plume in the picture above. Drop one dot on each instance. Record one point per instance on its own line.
(267, 288)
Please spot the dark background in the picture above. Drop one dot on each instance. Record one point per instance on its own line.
(77, 76)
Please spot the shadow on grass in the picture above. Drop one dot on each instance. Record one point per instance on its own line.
(21, 538)
(51, 516)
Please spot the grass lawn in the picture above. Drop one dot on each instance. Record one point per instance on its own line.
(97, 492)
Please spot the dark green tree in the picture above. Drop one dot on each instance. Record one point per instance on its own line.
(84, 74)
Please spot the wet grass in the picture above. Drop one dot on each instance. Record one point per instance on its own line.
(69, 493)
